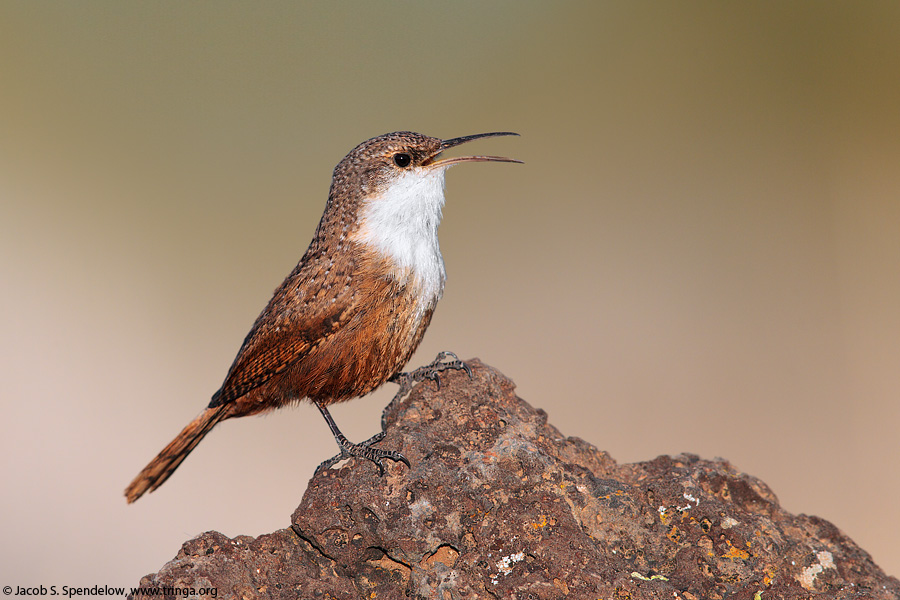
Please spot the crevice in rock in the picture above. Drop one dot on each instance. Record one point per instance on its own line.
(312, 542)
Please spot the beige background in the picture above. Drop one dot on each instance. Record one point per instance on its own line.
(701, 253)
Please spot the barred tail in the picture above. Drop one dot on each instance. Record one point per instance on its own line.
(165, 463)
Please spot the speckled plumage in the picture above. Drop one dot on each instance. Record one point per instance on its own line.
(354, 309)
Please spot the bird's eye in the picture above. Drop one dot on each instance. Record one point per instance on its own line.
(402, 159)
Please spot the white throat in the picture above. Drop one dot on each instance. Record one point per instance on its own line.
(402, 224)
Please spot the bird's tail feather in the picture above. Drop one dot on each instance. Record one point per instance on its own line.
(165, 463)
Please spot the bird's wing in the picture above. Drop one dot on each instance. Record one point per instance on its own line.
(293, 323)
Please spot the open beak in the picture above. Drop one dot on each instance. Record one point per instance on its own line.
(446, 162)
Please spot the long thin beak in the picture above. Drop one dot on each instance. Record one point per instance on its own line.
(468, 138)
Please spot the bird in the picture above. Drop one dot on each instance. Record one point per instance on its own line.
(352, 312)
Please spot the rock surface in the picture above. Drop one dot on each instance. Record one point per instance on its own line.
(500, 504)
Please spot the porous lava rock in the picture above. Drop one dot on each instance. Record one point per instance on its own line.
(499, 504)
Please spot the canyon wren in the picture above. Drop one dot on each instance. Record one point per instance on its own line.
(354, 309)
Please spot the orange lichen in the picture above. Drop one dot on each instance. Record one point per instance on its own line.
(734, 552)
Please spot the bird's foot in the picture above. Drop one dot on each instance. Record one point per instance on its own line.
(432, 371)
(363, 450)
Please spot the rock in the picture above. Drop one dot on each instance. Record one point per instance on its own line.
(499, 504)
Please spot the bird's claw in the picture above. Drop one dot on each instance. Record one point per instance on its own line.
(364, 450)
(433, 370)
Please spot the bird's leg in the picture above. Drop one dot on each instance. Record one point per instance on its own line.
(363, 450)
(430, 371)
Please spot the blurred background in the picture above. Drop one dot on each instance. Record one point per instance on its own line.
(701, 253)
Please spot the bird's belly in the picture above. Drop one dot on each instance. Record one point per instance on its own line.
(363, 355)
